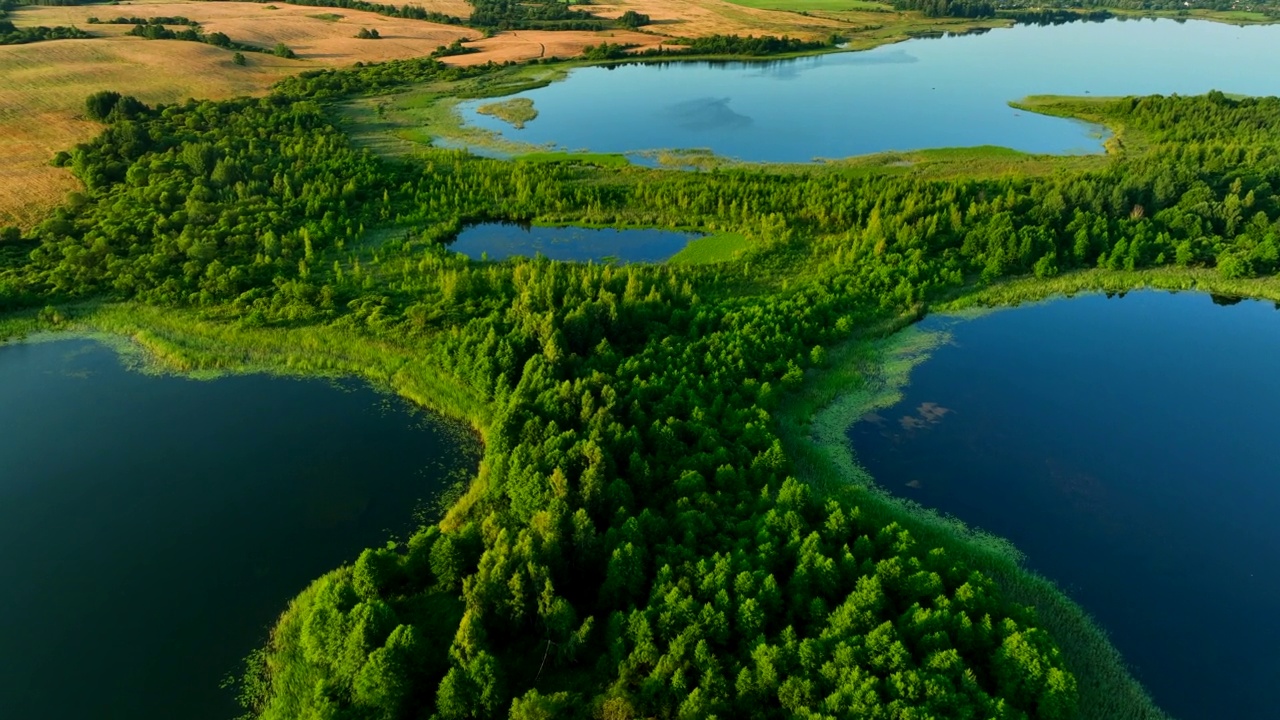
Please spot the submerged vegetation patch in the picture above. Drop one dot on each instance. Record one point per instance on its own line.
(516, 111)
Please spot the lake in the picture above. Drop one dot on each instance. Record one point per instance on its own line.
(498, 241)
(153, 527)
(1126, 446)
(924, 93)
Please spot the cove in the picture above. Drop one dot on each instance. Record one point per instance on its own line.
(153, 527)
(923, 93)
(499, 241)
(1127, 446)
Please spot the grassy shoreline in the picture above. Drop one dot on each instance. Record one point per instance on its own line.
(405, 123)
(868, 373)
(182, 343)
(864, 374)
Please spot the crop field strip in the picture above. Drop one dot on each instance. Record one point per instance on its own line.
(46, 81)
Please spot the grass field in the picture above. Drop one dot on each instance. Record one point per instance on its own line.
(816, 5)
(1231, 17)
(604, 160)
(515, 112)
(42, 98)
(678, 18)
(43, 85)
(317, 35)
(720, 247)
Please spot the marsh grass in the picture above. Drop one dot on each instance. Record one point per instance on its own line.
(867, 375)
(868, 372)
(515, 112)
(720, 247)
(408, 122)
(183, 343)
(603, 160)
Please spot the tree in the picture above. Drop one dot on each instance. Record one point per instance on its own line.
(368, 34)
(282, 50)
(99, 105)
(633, 19)
(239, 59)
(536, 706)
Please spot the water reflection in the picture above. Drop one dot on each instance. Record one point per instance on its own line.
(948, 92)
(499, 241)
(154, 527)
(707, 114)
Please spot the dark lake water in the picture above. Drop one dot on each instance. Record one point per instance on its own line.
(153, 528)
(498, 241)
(1128, 447)
(926, 93)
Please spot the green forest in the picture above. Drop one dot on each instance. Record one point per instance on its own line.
(637, 543)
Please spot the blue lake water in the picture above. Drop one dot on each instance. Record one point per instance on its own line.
(153, 528)
(498, 241)
(948, 92)
(1126, 445)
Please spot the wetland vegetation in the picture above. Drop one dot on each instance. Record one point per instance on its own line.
(662, 523)
(516, 111)
(1100, 475)
(880, 100)
(215, 500)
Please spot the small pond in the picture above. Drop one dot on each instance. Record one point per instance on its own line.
(498, 241)
(153, 528)
(1126, 445)
(924, 93)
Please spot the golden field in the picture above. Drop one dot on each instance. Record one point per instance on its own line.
(43, 85)
(43, 90)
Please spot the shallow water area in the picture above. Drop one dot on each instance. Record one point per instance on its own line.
(499, 241)
(1126, 445)
(923, 93)
(154, 527)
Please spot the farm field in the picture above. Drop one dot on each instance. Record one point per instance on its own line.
(45, 83)
(42, 102)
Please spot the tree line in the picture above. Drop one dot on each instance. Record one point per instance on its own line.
(12, 35)
(158, 20)
(194, 33)
(719, 45)
(949, 8)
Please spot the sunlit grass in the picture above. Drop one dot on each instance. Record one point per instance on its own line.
(720, 247)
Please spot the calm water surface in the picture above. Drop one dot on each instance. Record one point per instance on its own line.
(950, 92)
(498, 241)
(1128, 446)
(152, 528)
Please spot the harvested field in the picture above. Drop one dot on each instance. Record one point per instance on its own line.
(45, 84)
(520, 45)
(679, 18)
(325, 35)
